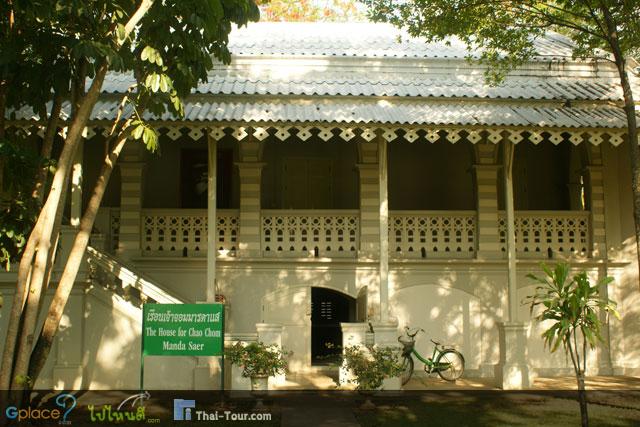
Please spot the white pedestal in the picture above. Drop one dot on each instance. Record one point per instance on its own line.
(238, 382)
(271, 334)
(386, 335)
(512, 371)
(352, 334)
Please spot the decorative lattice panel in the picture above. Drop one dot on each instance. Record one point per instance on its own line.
(309, 234)
(437, 234)
(541, 234)
(183, 233)
(114, 229)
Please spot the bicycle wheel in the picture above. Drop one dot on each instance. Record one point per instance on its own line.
(407, 369)
(454, 365)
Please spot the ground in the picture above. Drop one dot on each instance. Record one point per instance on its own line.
(613, 401)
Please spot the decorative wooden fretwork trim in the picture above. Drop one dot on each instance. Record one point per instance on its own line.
(367, 132)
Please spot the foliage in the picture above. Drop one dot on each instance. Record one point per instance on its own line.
(53, 50)
(257, 359)
(370, 365)
(502, 32)
(312, 10)
(58, 43)
(18, 208)
(572, 307)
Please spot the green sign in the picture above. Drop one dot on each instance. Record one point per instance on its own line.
(183, 330)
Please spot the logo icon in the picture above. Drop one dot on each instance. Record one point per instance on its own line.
(61, 401)
(182, 409)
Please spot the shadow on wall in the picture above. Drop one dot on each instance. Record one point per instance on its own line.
(112, 349)
(625, 334)
(452, 315)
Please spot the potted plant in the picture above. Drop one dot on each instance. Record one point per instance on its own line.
(258, 362)
(371, 365)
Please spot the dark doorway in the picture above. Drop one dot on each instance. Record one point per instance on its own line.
(328, 309)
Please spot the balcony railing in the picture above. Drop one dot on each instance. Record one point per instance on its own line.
(543, 234)
(183, 232)
(432, 234)
(336, 233)
(310, 233)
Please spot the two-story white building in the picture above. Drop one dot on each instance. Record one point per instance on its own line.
(334, 174)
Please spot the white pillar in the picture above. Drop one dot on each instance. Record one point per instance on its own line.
(386, 336)
(352, 334)
(131, 177)
(511, 236)
(203, 374)
(486, 174)
(211, 220)
(271, 334)
(76, 185)
(384, 230)
(512, 371)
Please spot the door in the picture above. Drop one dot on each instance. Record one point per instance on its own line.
(328, 309)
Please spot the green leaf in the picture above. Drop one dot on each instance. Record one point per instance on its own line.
(121, 33)
(138, 131)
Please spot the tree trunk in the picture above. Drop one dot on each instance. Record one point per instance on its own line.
(634, 152)
(47, 146)
(50, 328)
(33, 301)
(3, 104)
(19, 298)
(582, 399)
(48, 215)
(632, 129)
(41, 234)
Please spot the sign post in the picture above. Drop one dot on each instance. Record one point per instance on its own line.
(182, 330)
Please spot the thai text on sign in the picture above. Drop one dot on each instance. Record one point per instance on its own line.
(183, 329)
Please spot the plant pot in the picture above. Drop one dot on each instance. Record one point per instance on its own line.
(368, 404)
(260, 383)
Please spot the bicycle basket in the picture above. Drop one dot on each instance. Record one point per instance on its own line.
(407, 347)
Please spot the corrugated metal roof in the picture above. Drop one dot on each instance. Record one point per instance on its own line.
(360, 40)
(237, 82)
(382, 112)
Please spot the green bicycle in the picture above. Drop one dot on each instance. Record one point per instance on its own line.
(446, 361)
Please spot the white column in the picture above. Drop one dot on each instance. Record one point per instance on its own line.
(386, 336)
(512, 371)
(511, 236)
(598, 224)
(76, 186)
(131, 173)
(250, 171)
(271, 334)
(211, 220)
(353, 334)
(597, 202)
(384, 230)
(486, 174)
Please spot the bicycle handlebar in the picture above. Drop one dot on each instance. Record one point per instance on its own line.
(412, 335)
